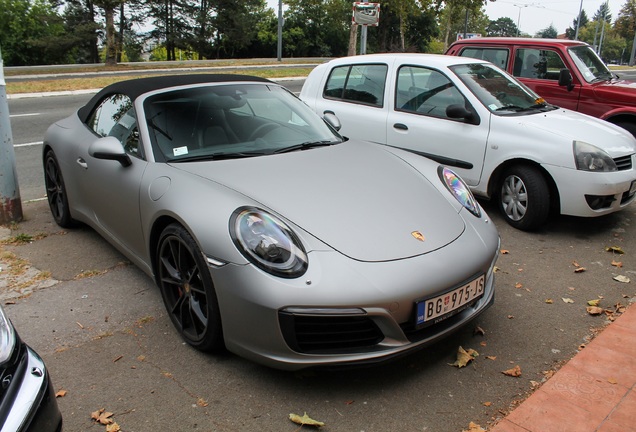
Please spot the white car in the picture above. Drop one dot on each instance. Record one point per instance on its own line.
(505, 141)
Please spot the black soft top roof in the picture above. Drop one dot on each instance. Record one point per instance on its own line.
(136, 87)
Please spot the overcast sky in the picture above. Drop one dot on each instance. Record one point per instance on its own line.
(536, 15)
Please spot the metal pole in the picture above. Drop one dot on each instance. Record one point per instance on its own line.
(633, 53)
(10, 204)
(363, 40)
(280, 30)
(578, 22)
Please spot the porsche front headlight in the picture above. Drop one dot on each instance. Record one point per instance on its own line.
(7, 337)
(591, 158)
(268, 242)
(459, 190)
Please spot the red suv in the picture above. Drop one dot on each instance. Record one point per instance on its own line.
(564, 72)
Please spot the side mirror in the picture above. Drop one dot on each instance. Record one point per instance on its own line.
(457, 111)
(109, 148)
(332, 120)
(565, 79)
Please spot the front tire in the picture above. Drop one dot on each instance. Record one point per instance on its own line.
(56, 191)
(524, 197)
(187, 290)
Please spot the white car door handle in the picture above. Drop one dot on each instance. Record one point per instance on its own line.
(401, 126)
(81, 162)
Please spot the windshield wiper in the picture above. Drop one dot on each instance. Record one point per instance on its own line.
(217, 156)
(517, 108)
(307, 145)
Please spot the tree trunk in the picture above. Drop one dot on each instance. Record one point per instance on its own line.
(94, 51)
(353, 39)
(120, 34)
(111, 44)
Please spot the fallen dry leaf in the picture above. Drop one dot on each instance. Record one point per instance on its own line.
(612, 380)
(487, 404)
(505, 252)
(594, 310)
(594, 302)
(575, 264)
(614, 249)
(617, 264)
(305, 420)
(514, 372)
(621, 278)
(102, 416)
(491, 357)
(474, 427)
(510, 316)
(579, 270)
(549, 301)
(518, 285)
(113, 428)
(479, 331)
(464, 357)
(60, 393)
(567, 300)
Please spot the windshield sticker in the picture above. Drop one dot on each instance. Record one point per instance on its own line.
(180, 151)
(492, 106)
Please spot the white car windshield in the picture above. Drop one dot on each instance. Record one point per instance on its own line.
(498, 91)
(589, 64)
(231, 121)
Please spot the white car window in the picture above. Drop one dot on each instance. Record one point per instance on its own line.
(426, 91)
(358, 84)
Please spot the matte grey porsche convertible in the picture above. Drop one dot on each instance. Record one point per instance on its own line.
(267, 232)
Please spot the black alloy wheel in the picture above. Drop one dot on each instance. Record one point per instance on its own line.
(187, 289)
(56, 191)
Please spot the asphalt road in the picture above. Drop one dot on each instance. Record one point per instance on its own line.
(100, 326)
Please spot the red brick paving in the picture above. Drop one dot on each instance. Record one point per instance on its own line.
(593, 392)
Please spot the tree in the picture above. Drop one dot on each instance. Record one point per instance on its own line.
(173, 22)
(625, 24)
(550, 32)
(109, 7)
(32, 33)
(236, 25)
(570, 32)
(603, 12)
(502, 27)
(83, 30)
(454, 13)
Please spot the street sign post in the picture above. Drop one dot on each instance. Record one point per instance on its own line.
(365, 14)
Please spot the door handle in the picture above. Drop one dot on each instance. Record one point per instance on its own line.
(81, 162)
(329, 112)
(401, 126)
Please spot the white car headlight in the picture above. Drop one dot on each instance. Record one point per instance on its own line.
(7, 337)
(268, 242)
(459, 190)
(591, 158)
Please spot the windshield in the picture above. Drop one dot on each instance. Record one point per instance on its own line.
(233, 120)
(498, 91)
(589, 64)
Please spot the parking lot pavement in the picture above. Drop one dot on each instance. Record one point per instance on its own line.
(101, 327)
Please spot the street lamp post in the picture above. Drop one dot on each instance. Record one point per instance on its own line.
(519, 16)
(10, 204)
(578, 22)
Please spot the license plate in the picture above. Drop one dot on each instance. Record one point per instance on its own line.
(432, 310)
